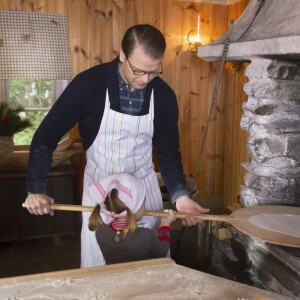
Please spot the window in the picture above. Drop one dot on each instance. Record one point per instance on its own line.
(36, 96)
(34, 46)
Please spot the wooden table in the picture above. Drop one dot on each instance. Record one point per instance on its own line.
(149, 279)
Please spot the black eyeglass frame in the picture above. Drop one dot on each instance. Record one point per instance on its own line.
(142, 73)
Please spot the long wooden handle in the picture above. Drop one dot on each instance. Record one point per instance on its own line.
(70, 207)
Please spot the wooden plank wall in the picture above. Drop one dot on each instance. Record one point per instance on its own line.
(95, 31)
(235, 151)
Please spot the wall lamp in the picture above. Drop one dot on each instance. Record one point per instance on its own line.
(194, 38)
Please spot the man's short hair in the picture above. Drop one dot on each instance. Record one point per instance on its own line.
(148, 37)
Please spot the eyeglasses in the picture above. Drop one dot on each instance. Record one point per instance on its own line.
(137, 72)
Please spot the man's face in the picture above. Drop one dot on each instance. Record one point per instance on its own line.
(138, 62)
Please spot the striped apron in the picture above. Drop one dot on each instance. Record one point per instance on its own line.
(123, 144)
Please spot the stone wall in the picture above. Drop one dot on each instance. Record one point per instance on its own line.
(272, 119)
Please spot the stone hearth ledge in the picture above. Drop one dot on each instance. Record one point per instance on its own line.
(282, 47)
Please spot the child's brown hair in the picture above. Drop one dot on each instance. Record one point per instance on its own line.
(113, 204)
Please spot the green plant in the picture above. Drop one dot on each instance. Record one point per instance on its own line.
(12, 119)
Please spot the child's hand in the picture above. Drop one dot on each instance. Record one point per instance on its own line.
(166, 221)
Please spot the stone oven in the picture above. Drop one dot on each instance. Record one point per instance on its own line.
(267, 35)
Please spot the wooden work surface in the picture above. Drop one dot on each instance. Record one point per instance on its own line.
(149, 279)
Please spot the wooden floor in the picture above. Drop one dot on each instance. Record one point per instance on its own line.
(39, 255)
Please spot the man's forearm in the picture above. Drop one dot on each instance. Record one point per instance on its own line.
(39, 164)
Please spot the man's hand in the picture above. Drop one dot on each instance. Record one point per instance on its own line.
(185, 204)
(39, 204)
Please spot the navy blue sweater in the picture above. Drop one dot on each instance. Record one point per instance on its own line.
(83, 102)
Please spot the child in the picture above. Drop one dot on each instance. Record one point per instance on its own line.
(121, 203)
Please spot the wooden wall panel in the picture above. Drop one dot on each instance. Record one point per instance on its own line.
(215, 183)
(96, 28)
(215, 137)
(235, 138)
(168, 26)
(184, 98)
(200, 98)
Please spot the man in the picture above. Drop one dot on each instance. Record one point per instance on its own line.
(123, 108)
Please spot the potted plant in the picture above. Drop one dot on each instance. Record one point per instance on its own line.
(12, 120)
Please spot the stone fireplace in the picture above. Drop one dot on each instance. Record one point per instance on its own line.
(268, 36)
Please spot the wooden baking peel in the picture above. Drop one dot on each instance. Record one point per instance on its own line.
(241, 219)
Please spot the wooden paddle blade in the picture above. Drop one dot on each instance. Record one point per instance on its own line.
(276, 224)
